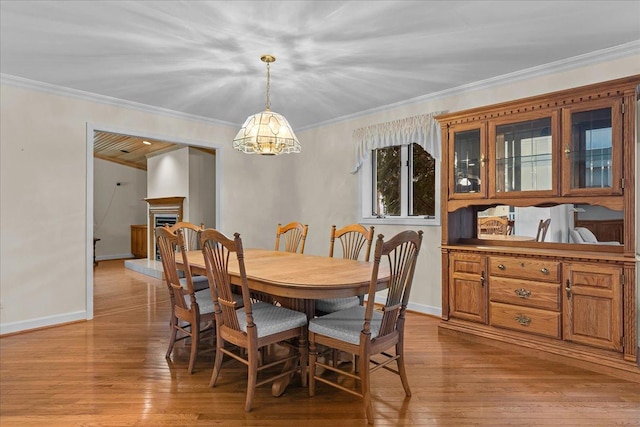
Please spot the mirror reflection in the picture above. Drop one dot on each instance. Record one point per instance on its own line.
(567, 223)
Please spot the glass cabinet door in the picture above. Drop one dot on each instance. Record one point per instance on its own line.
(592, 142)
(467, 177)
(524, 160)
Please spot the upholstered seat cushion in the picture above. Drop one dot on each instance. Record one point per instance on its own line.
(205, 303)
(199, 282)
(330, 305)
(271, 319)
(203, 298)
(346, 325)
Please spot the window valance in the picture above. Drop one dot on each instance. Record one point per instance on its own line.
(423, 130)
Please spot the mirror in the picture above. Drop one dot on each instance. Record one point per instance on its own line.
(567, 223)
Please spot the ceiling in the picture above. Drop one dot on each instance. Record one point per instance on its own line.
(132, 151)
(335, 59)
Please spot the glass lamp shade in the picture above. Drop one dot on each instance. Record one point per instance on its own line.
(266, 133)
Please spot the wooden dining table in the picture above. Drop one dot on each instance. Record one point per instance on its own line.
(506, 237)
(296, 281)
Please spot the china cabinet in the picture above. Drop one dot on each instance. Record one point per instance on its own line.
(570, 154)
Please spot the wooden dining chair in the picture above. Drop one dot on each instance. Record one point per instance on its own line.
(294, 235)
(353, 239)
(543, 227)
(493, 225)
(253, 327)
(191, 234)
(366, 332)
(192, 314)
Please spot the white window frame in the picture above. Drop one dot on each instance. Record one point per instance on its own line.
(366, 195)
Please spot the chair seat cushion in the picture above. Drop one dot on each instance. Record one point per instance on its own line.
(346, 325)
(203, 298)
(330, 305)
(199, 282)
(271, 319)
(205, 303)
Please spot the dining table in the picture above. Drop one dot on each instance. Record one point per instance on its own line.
(507, 237)
(295, 280)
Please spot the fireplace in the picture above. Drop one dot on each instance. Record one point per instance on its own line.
(162, 210)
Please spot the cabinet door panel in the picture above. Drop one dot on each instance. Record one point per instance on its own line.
(592, 148)
(522, 155)
(592, 303)
(467, 179)
(468, 292)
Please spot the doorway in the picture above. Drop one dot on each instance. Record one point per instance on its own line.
(119, 142)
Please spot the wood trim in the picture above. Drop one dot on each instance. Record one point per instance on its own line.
(173, 200)
(597, 360)
(557, 99)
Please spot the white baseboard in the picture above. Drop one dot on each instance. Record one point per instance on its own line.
(418, 308)
(41, 322)
(116, 256)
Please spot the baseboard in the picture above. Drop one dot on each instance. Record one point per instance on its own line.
(116, 256)
(418, 308)
(41, 322)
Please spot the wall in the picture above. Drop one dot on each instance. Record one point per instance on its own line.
(202, 188)
(328, 194)
(45, 168)
(117, 207)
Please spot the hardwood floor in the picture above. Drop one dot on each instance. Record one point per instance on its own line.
(111, 371)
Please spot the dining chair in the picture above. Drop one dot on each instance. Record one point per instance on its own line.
(191, 234)
(294, 235)
(192, 314)
(369, 333)
(543, 227)
(253, 327)
(493, 225)
(353, 239)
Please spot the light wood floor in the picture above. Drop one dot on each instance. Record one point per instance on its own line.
(111, 371)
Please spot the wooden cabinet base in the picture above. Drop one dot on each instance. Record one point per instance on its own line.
(602, 361)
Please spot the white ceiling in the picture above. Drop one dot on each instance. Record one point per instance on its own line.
(334, 58)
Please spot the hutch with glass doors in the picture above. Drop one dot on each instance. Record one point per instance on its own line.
(557, 277)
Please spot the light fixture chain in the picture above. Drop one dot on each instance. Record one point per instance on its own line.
(268, 86)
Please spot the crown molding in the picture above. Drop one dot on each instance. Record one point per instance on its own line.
(603, 55)
(10, 80)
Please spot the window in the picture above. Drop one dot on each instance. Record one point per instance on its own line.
(400, 186)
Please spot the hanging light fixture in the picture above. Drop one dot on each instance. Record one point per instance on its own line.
(267, 132)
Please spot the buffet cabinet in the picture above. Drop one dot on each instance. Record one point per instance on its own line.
(572, 151)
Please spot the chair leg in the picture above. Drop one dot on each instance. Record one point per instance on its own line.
(401, 368)
(217, 364)
(313, 355)
(174, 333)
(304, 360)
(252, 378)
(195, 341)
(365, 388)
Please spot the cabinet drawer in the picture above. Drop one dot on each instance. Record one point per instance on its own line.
(525, 293)
(525, 319)
(525, 268)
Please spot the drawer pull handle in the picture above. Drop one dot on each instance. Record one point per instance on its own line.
(544, 270)
(523, 320)
(523, 293)
(501, 266)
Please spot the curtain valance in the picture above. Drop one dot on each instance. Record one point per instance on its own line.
(423, 130)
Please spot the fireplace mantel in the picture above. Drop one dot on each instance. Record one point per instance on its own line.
(162, 206)
(174, 200)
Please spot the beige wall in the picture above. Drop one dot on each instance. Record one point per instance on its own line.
(44, 267)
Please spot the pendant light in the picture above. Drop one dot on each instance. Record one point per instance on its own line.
(267, 132)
